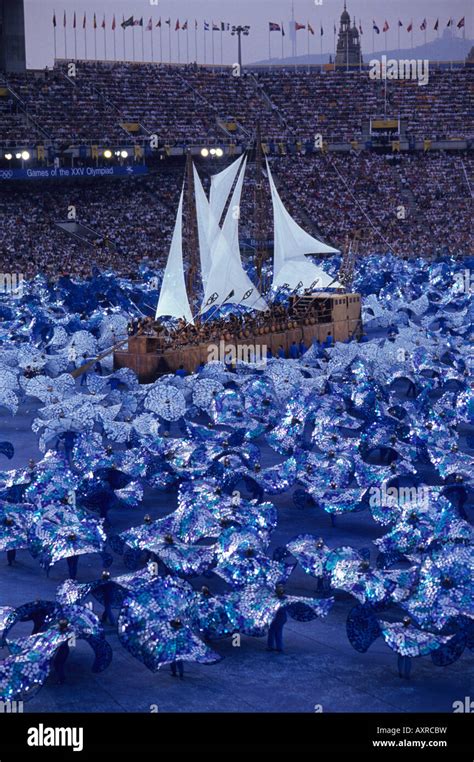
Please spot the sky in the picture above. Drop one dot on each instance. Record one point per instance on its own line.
(256, 13)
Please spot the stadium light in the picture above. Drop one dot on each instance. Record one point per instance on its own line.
(18, 155)
(204, 152)
(108, 153)
(8, 156)
(213, 152)
(219, 152)
(124, 154)
(25, 155)
(239, 31)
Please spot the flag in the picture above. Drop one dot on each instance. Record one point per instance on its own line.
(322, 30)
(128, 22)
(299, 26)
(385, 26)
(215, 27)
(64, 19)
(461, 23)
(149, 27)
(54, 19)
(206, 26)
(195, 24)
(74, 21)
(84, 21)
(436, 25)
(335, 30)
(410, 26)
(375, 27)
(185, 26)
(310, 28)
(274, 27)
(103, 22)
(158, 23)
(423, 25)
(95, 22)
(177, 27)
(449, 22)
(113, 23)
(137, 22)
(360, 28)
(168, 21)
(400, 23)
(282, 30)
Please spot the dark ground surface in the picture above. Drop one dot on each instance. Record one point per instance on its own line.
(319, 667)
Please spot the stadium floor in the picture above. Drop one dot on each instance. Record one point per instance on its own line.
(319, 670)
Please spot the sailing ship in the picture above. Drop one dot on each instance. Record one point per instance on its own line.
(320, 307)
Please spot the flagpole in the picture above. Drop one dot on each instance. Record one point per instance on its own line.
(307, 25)
(179, 47)
(205, 49)
(398, 27)
(269, 46)
(115, 46)
(169, 39)
(75, 38)
(143, 43)
(187, 43)
(133, 42)
(373, 39)
(65, 39)
(95, 40)
(282, 42)
(152, 46)
(161, 43)
(212, 32)
(54, 32)
(412, 34)
(84, 25)
(124, 53)
(105, 41)
(222, 50)
(195, 41)
(334, 35)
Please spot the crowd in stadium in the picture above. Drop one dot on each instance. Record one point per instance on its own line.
(416, 203)
(185, 104)
(410, 204)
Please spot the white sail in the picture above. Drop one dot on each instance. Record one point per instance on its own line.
(227, 280)
(173, 299)
(291, 244)
(208, 228)
(221, 186)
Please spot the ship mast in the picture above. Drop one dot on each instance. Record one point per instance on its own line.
(261, 248)
(191, 232)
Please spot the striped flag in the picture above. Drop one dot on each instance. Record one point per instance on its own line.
(274, 27)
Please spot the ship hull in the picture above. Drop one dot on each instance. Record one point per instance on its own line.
(339, 319)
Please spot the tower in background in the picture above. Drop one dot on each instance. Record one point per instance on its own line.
(348, 51)
(12, 36)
